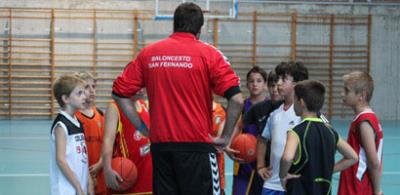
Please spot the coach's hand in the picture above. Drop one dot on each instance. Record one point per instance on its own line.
(232, 154)
(112, 178)
(222, 145)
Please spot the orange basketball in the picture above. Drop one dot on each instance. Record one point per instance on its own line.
(127, 170)
(246, 145)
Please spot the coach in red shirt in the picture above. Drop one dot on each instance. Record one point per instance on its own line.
(180, 74)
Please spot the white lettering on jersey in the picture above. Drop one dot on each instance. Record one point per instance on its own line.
(171, 62)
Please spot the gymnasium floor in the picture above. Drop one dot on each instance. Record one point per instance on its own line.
(24, 156)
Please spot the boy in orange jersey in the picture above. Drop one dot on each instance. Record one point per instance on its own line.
(219, 116)
(92, 119)
(121, 138)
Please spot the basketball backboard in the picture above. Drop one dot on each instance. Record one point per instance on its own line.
(164, 9)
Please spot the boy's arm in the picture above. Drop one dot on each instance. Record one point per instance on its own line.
(367, 135)
(349, 156)
(262, 170)
(96, 167)
(61, 143)
(288, 154)
(262, 147)
(287, 158)
(91, 186)
(261, 150)
(130, 111)
(110, 126)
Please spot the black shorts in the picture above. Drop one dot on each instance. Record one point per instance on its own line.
(185, 169)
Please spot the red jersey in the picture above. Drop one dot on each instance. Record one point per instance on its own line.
(94, 131)
(131, 144)
(355, 180)
(179, 73)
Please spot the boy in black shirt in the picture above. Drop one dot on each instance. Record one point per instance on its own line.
(308, 160)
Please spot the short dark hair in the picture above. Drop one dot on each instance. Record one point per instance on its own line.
(312, 93)
(272, 78)
(257, 69)
(295, 69)
(188, 17)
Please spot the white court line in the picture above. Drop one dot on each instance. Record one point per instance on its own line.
(24, 138)
(391, 173)
(390, 137)
(25, 175)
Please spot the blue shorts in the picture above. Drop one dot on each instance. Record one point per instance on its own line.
(266, 191)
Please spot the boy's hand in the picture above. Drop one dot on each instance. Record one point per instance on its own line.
(265, 172)
(112, 178)
(286, 178)
(95, 168)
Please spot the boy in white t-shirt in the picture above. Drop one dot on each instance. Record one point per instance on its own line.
(279, 122)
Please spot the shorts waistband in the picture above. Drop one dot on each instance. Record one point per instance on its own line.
(183, 147)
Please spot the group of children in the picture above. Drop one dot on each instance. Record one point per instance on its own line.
(296, 145)
(84, 140)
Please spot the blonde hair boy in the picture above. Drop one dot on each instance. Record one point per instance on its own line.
(365, 137)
